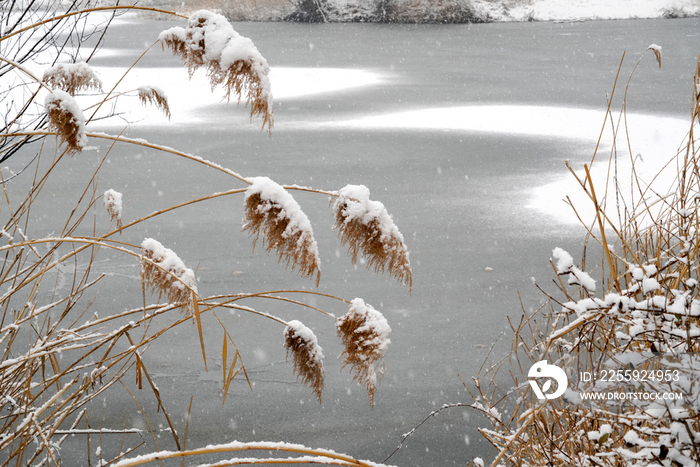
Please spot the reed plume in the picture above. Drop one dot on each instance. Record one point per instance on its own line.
(657, 52)
(155, 96)
(364, 332)
(164, 271)
(113, 202)
(72, 77)
(231, 60)
(367, 228)
(272, 211)
(301, 342)
(66, 117)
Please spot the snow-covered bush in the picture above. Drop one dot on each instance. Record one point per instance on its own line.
(63, 344)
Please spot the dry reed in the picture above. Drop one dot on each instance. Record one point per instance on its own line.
(113, 202)
(67, 119)
(164, 271)
(271, 211)
(307, 355)
(154, 96)
(231, 60)
(364, 332)
(61, 353)
(367, 228)
(646, 321)
(72, 77)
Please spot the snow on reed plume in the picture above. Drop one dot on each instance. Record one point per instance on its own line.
(364, 332)
(155, 96)
(164, 271)
(231, 60)
(113, 202)
(301, 342)
(72, 77)
(66, 117)
(272, 211)
(367, 228)
(657, 52)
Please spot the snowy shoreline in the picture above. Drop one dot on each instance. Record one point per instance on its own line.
(449, 11)
(586, 10)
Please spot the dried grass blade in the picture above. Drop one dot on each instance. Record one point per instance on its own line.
(199, 328)
(187, 426)
(139, 378)
(231, 375)
(224, 352)
(156, 392)
(606, 249)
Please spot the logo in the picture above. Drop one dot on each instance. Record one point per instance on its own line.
(542, 369)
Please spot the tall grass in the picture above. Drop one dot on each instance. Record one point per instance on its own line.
(61, 350)
(636, 325)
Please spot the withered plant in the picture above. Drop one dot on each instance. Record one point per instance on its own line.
(364, 332)
(155, 96)
(301, 342)
(63, 346)
(636, 335)
(231, 60)
(72, 78)
(368, 229)
(271, 211)
(66, 119)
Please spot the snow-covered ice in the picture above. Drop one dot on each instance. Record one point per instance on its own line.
(189, 99)
(654, 139)
(566, 10)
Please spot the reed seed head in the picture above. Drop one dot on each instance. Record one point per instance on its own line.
(154, 96)
(231, 59)
(72, 77)
(163, 271)
(271, 211)
(364, 332)
(113, 202)
(66, 117)
(307, 355)
(657, 52)
(368, 229)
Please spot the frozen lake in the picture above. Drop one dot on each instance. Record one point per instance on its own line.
(455, 129)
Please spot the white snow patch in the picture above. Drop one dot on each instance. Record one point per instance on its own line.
(564, 260)
(570, 10)
(654, 140)
(113, 202)
(190, 100)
